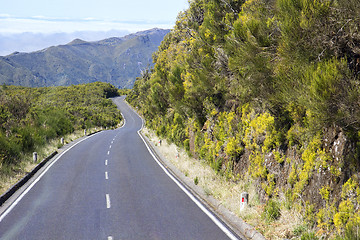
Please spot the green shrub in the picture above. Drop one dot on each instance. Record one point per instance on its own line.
(298, 231)
(309, 236)
(217, 165)
(271, 211)
(187, 145)
(196, 180)
(30, 117)
(9, 151)
(352, 231)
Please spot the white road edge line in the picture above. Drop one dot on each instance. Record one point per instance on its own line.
(108, 204)
(192, 197)
(124, 121)
(38, 179)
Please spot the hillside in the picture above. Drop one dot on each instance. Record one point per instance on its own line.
(31, 117)
(267, 93)
(115, 60)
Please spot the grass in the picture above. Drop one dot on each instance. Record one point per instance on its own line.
(287, 223)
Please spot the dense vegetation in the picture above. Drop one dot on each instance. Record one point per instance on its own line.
(269, 89)
(115, 60)
(31, 117)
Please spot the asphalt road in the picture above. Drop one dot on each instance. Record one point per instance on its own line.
(108, 187)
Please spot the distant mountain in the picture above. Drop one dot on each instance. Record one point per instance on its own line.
(30, 41)
(114, 60)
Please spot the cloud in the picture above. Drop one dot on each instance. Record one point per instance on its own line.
(38, 32)
(41, 24)
(3, 15)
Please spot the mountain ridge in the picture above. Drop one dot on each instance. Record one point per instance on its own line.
(114, 60)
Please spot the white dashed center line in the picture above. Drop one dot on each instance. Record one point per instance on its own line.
(106, 176)
(106, 162)
(108, 204)
(110, 238)
(108, 153)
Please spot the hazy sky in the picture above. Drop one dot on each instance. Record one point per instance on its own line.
(49, 16)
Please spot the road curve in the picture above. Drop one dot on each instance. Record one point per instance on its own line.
(107, 187)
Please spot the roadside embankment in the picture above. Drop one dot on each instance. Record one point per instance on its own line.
(216, 193)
